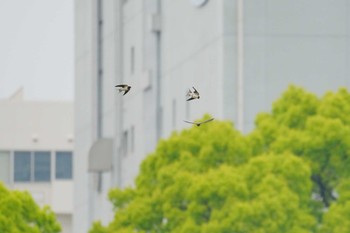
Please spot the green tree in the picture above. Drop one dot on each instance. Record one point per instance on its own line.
(336, 219)
(290, 174)
(317, 129)
(19, 213)
(197, 182)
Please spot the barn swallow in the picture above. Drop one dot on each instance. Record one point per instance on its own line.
(199, 123)
(192, 94)
(123, 87)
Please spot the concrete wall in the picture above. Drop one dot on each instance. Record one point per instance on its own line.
(36, 125)
(301, 42)
(91, 189)
(133, 102)
(65, 220)
(40, 126)
(85, 124)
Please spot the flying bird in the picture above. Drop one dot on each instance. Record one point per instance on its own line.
(199, 123)
(123, 87)
(192, 94)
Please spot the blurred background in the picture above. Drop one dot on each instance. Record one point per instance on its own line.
(68, 136)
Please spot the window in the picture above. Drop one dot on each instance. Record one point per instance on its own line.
(42, 166)
(32, 166)
(132, 60)
(125, 143)
(22, 166)
(5, 166)
(64, 165)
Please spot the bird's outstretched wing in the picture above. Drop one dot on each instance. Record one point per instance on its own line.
(199, 123)
(120, 85)
(195, 91)
(126, 91)
(191, 98)
(206, 121)
(190, 122)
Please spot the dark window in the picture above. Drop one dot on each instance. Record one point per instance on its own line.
(64, 165)
(22, 166)
(42, 166)
(125, 143)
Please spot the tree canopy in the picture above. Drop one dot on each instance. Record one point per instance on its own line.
(19, 213)
(290, 174)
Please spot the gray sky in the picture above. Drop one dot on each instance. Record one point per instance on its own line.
(36, 48)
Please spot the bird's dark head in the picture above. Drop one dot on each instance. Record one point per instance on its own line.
(199, 97)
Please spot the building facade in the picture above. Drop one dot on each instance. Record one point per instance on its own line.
(36, 152)
(240, 55)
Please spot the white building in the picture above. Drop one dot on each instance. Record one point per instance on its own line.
(36, 145)
(239, 54)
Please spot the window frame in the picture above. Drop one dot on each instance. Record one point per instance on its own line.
(30, 167)
(34, 155)
(56, 164)
(52, 166)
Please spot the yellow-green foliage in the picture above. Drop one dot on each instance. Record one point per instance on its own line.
(19, 213)
(213, 179)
